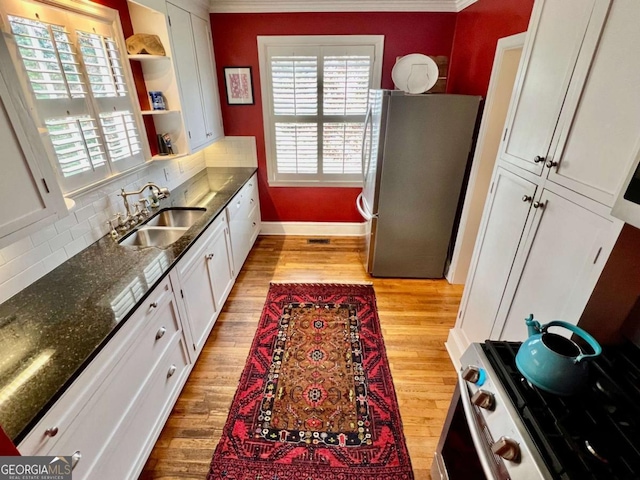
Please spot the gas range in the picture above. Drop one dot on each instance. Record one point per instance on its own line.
(520, 432)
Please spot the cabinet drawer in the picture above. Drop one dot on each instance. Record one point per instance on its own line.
(142, 426)
(143, 322)
(99, 419)
(245, 199)
(254, 225)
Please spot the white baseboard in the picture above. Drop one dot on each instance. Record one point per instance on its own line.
(328, 229)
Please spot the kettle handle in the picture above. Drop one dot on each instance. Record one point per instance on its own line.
(593, 343)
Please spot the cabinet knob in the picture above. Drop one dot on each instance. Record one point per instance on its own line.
(551, 164)
(527, 198)
(172, 370)
(253, 223)
(51, 431)
(153, 305)
(538, 159)
(160, 333)
(209, 256)
(538, 204)
(75, 458)
(506, 448)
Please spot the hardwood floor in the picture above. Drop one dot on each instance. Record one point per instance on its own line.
(415, 315)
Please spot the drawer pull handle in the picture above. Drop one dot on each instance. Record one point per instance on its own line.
(153, 305)
(75, 458)
(161, 333)
(209, 256)
(51, 431)
(539, 158)
(172, 370)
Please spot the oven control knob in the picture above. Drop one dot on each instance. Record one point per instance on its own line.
(474, 374)
(507, 448)
(483, 399)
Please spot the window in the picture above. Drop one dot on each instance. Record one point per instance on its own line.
(315, 97)
(72, 71)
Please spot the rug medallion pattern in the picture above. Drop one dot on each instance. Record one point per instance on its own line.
(315, 400)
(316, 390)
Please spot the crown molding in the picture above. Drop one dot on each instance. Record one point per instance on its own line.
(280, 6)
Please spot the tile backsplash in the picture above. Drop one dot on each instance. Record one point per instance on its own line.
(26, 260)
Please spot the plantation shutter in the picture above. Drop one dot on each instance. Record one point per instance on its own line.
(73, 67)
(319, 98)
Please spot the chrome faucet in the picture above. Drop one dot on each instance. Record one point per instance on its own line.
(121, 224)
(163, 192)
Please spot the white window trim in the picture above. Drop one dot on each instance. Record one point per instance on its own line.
(112, 16)
(376, 41)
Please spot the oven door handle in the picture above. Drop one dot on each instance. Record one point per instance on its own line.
(476, 435)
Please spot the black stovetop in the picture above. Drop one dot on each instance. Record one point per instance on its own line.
(594, 434)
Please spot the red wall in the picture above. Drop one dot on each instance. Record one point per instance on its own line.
(478, 29)
(235, 44)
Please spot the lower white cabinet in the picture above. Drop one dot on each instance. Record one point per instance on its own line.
(204, 278)
(244, 221)
(110, 417)
(95, 416)
(506, 213)
(562, 258)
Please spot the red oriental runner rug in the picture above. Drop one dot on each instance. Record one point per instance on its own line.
(316, 400)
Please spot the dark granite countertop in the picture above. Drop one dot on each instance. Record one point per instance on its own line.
(50, 331)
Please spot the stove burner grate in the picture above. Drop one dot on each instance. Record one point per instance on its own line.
(592, 435)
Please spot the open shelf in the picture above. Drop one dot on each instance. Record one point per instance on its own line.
(148, 58)
(158, 112)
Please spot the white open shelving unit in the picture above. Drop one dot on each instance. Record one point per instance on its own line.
(159, 75)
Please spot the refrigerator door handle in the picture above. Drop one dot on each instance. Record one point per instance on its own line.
(362, 210)
(365, 165)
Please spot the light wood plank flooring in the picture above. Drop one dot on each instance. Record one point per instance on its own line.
(415, 316)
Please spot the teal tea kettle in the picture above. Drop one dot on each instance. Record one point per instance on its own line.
(552, 362)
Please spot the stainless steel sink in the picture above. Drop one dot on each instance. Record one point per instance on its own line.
(153, 237)
(176, 217)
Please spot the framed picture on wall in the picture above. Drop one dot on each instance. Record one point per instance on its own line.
(239, 85)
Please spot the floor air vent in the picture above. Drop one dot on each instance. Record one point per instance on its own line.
(318, 240)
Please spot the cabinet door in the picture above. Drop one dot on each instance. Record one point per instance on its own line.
(505, 218)
(199, 299)
(208, 80)
(184, 53)
(558, 268)
(555, 38)
(22, 177)
(597, 146)
(221, 266)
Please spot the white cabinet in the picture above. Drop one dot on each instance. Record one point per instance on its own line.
(186, 76)
(508, 208)
(205, 277)
(559, 31)
(30, 192)
(192, 49)
(601, 116)
(115, 409)
(554, 275)
(582, 122)
(244, 221)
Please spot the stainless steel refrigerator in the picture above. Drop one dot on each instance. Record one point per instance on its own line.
(414, 156)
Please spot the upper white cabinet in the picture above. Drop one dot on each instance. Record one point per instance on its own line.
(192, 46)
(28, 183)
(600, 122)
(186, 76)
(559, 31)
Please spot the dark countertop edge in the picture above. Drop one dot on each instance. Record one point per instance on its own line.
(65, 386)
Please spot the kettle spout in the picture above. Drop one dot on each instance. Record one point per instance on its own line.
(533, 326)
